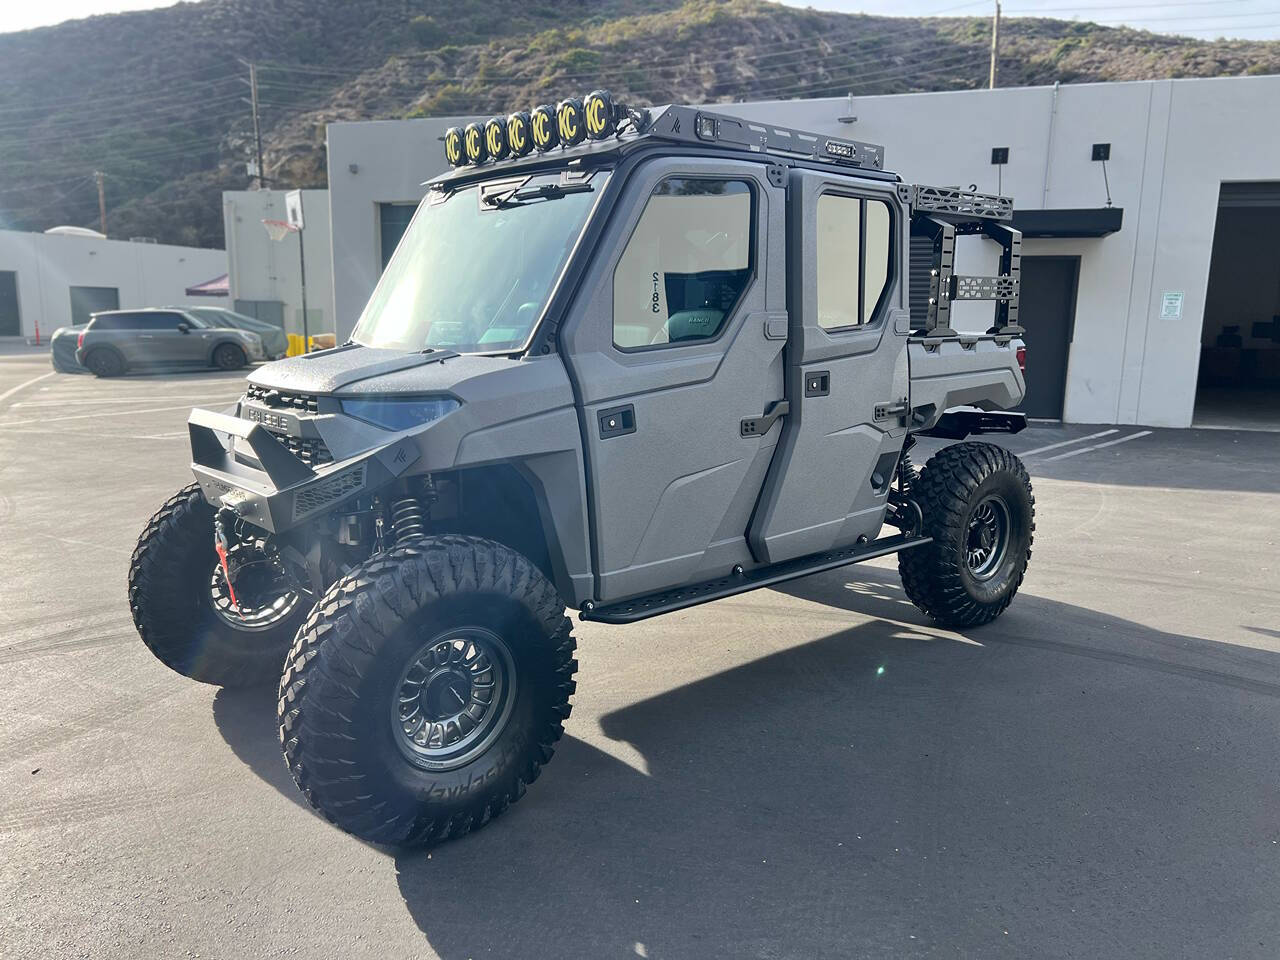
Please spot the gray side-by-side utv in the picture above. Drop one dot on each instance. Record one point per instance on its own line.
(623, 361)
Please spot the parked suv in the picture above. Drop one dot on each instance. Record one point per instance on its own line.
(116, 341)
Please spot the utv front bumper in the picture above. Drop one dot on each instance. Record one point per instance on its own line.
(267, 485)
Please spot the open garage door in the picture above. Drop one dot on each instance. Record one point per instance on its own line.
(1239, 383)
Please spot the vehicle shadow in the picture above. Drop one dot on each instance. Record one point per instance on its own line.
(1060, 783)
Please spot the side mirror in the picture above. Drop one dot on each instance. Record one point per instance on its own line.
(184, 327)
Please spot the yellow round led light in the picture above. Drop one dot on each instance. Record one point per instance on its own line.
(519, 133)
(495, 137)
(600, 114)
(453, 147)
(474, 142)
(546, 133)
(570, 123)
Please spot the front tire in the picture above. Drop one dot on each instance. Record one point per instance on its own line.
(426, 690)
(229, 357)
(978, 507)
(182, 609)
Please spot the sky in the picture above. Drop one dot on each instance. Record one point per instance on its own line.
(1204, 19)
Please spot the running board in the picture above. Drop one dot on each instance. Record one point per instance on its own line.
(641, 608)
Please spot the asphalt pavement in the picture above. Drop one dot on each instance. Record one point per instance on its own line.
(811, 771)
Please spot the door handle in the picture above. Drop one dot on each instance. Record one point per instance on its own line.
(759, 426)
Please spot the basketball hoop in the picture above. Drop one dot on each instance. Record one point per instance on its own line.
(279, 229)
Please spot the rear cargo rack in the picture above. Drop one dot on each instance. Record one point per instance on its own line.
(938, 216)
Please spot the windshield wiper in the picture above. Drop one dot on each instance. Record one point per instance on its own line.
(545, 191)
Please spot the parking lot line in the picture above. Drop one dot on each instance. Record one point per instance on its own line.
(1064, 443)
(22, 386)
(84, 400)
(1099, 446)
(110, 413)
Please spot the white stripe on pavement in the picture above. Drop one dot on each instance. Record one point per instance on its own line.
(1064, 443)
(92, 416)
(22, 386)
(1099, 446)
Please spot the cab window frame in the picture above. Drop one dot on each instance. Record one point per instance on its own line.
(876, 317)
(752, 268)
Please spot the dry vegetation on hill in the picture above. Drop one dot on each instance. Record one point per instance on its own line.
(156, 99)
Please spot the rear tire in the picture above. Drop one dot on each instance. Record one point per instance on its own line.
(979, 509)
(177, 616)
(229, 357)
(105, 363)
(366, 740)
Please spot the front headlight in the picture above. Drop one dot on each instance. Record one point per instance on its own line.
(399, 413)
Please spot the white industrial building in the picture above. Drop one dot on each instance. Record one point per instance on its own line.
(51, 280)
(1138, 279)
(265, 274)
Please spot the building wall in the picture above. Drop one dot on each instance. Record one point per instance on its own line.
(265, 270)
(371, 163)
(1173, 143)
(145, 274)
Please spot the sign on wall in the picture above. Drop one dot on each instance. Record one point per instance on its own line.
(1171, 305)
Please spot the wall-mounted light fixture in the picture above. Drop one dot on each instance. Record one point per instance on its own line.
(999, 157)
(1101, 154)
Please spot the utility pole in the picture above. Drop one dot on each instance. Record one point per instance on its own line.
(98, 176)
(995, 48)
(257, 126)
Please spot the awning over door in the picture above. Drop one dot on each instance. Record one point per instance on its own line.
(1085, 222)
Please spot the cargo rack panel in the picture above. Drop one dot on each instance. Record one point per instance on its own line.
(938, 216)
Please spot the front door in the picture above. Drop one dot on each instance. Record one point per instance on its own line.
(847, 368)
(676, 341)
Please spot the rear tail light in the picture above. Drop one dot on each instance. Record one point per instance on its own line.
(80, 340)
(1022, 359)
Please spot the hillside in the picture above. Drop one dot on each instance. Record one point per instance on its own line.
(158, 100)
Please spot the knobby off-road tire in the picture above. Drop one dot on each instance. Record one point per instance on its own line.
(962, 579)
(343, 690)
(170, 596)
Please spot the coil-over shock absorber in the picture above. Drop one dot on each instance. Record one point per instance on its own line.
(409, 514)
(903, 511)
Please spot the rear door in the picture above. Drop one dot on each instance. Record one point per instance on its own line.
(846, 370)
(675, 340)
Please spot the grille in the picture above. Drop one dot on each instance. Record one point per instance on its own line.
(312, 452)
(282, 399)
(320, 495)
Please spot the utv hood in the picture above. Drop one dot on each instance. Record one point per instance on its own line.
(331, 371)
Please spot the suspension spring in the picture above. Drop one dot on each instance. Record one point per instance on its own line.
(408, 518)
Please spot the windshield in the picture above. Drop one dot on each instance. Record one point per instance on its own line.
(473, 272)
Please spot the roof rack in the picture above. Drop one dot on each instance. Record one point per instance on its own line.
(694, 125)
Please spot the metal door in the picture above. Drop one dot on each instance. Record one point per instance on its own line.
(1048, 300)
(667, 370)
(847, 380)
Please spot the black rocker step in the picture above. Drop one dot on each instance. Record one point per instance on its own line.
(641, 608)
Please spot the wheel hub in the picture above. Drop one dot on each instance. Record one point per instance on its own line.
(453, 698)
(264, 593)
(988, 537)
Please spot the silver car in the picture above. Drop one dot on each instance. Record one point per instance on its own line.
(117, 341)
(273, 337)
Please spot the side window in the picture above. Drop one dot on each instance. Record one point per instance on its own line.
(853, 259)
(686, 265)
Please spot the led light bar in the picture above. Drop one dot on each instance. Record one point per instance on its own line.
(597, 116)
